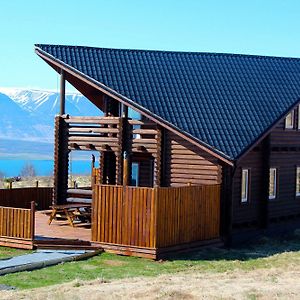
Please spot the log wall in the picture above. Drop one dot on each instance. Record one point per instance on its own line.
(186, 163)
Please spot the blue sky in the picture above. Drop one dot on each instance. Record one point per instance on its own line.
(266, 27)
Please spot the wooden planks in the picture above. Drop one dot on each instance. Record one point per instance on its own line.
(153, 218)
(187, 214)
(16, 223)
(123, 215)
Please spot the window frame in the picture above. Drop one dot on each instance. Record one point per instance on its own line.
(247, 185)
(298, 119)
(274, 196)
(287, 126)
(297, 193)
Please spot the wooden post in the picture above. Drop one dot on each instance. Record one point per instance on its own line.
(62, 92)
(36, 183)
(266, 153)
(10, 184)
(124, 111)
(125, 168)
(227, 204)
(32, 216)
(61, 161)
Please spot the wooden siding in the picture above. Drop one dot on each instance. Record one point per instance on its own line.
(185, 163)
(286, 203)
(154, 218)
(284, 155)
(245, 213)
(284, 137)
(22, 197)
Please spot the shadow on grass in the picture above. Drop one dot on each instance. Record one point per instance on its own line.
(261, 248)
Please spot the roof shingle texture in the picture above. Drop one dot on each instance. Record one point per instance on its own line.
(226, 101)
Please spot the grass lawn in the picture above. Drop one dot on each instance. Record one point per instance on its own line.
(6, 252)
(266, 253)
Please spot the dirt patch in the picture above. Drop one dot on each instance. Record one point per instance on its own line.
(114, 263)
(254, 284)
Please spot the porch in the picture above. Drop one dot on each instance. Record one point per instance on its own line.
(139, 221)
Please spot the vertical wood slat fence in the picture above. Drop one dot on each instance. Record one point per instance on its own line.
(17, 226)
(144, 221)
(22, 197)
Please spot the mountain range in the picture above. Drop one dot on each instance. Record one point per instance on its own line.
(27, 118)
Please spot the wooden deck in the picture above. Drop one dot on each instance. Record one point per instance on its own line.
(59, 229)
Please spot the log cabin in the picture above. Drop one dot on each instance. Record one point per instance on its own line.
(221, 127)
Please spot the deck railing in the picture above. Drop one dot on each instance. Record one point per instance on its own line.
(22, 197)
(155, 218)
(17, 226)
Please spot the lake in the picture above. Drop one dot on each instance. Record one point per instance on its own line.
(13, 167)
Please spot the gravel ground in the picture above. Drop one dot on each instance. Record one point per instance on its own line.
(255, 284)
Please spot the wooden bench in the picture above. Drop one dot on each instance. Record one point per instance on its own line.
(71, 211)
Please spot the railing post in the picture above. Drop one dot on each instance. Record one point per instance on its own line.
(32, 217)
(125, 169)
(37, 184)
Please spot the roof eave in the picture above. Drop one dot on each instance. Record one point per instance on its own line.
(114, 94)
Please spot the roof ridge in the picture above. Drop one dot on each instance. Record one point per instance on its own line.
(176, 52)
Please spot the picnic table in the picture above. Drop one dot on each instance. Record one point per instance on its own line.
(71, 211)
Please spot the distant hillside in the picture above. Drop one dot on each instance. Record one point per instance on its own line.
(28, 115)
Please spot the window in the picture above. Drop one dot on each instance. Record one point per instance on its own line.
(135, 116)
(297, 181)
(289, 120)
(135, 172)
(272, 183)
(299, 117)
(245, 185)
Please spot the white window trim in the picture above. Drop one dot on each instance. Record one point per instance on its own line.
(271, 197)
(288, 126)
(245, 199)
(297, 168)
(298, 117)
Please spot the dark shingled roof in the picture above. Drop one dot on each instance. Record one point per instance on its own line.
(225, 101)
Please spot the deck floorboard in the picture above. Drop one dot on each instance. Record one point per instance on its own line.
(59, 229)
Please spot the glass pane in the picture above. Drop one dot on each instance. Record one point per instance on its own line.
(289, 120)
(135, 174)
(298, 181)
(244, 185)
(272, 184)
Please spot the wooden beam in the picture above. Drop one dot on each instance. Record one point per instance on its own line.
(264, 208)
(62, 93)
(227, 204)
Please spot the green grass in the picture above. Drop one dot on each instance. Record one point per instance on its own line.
(266, 253)
(6, 252)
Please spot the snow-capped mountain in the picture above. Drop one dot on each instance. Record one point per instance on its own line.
(28, 114)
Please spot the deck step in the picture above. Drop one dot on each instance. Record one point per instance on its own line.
(80, 192)
(58, 241)
(79, 200)
(67, 247)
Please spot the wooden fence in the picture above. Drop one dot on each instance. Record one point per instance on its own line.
(146, 221)
(17, 226)
(22, 197)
